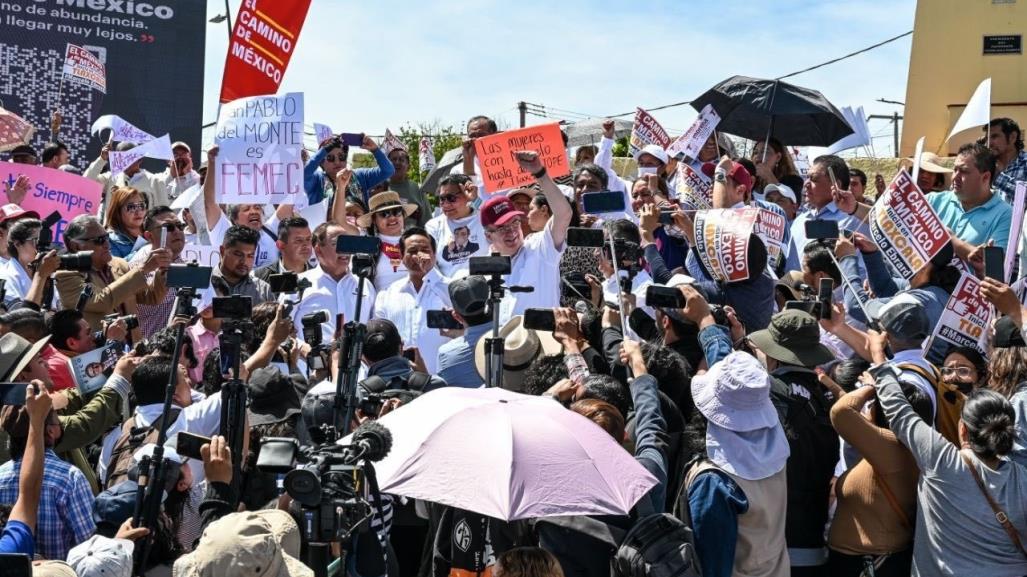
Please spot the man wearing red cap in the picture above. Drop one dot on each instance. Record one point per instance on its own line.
(535, 262)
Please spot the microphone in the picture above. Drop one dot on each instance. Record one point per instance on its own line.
(374, 440)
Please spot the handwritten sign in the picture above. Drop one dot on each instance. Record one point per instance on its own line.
(722, 236)
(770, 227)
(905, 227)
(121, 129)
(156, 148)
(202, 254)
(691, 142)
(82, 67)
(322, 132)
(964, 321)
(499, 167)
(260, 139)
(54, 190)
(695, 189)
(646, 130)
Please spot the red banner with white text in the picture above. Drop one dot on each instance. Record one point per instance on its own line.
(263, 40)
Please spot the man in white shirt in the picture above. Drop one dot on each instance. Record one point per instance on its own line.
(248, 215)
(152, 186)
(458, 229)
(535, 261)
(406, 302)
(179, 175)
(333, 287)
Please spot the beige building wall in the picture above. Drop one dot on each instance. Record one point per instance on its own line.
(947, 62)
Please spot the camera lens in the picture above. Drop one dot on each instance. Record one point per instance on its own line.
(304, 486)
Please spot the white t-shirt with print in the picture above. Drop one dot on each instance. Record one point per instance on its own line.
(537, 265)
(451, 260)
(390, 263)
(267, 252)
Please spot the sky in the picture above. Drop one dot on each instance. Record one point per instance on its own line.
(368, 66)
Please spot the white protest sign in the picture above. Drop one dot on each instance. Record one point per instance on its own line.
(187, 198)
(202, 254)
(646, 130)
(917, 153)
(859, 136)
(315, 214)
(1013, 244)
(260, 139)
(905, 227)
(977, 111)
(691, 142)
(121, 129)
(966, 317)
(321, 133)
(695, 189)
(156, 148)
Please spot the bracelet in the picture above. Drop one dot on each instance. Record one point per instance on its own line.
(854, 211)
(540, 173)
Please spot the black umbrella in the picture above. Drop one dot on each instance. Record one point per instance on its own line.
(753, 108)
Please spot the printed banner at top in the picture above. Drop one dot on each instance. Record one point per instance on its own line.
(53, 190)
(260, 140)
(499, 167)
(770, 227)
(695, 189)
(263, 40)
(390, 143)
(691, 142)
(905, 227)
(722, 236)
(82, 66)
(964, 321)
(646, 130)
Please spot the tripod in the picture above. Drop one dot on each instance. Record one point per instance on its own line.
(495, 344)
(233, 399)
(351, 350)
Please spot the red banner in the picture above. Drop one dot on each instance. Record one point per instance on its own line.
(263, 39)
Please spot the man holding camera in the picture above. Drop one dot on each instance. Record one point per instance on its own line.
(161, 225)
(234, 274)
(406, 302)
(333, 287)
(534, 261)
(118, 288)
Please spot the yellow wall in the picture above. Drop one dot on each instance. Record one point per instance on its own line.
(947, 63)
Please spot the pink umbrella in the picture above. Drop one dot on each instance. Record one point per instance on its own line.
(508, 456)
(14, 131)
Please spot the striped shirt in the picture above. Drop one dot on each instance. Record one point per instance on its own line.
(65, 516)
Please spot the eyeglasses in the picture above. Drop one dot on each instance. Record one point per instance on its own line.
(135, 206)
(173, 225)
(333, 158)
(512, 226)
(98, 241)
(450, 198)
(391, 212)
(961, 372)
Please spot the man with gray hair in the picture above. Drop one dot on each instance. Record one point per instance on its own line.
(118, 288)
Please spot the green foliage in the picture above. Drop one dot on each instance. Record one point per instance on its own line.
(443, 138)
(620, 147)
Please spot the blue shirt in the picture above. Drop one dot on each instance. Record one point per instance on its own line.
(1005, 183)
(989, 221)
(121, 244)
(65, 516)
(17, 538)
(456, 358)
(366, 178)
(715, 501)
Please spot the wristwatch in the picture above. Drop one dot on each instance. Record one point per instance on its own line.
(720, 175)
(540, 173)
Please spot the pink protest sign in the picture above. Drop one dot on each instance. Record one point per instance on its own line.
(53, 190)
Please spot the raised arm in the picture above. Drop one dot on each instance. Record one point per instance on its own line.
(210, 204)
(30, 480)
(650, 426)
(929, 447)
(369, 178)
(562, 212)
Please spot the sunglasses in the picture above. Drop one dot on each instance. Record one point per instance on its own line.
(135, 206)
(390, 212)
(333, 158)
(98, 241)
(173, 225)
(450, 198)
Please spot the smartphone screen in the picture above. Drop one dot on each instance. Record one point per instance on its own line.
(438, 319)
(826, 297)
(351, 139)
(12, 393)
(590, 237)
(664, 297)
(600, 202)
(995, 263)
(540, 319)
(180, 275)
(283, 283)
(189, 445)
(355, 244)
(817, 229)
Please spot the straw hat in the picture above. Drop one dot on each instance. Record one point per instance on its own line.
(929, 162)
(384, 201)
(521, 346)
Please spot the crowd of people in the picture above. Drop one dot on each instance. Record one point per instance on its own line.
(828, 438)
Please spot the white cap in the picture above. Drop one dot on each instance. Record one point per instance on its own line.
(654, 150)
(101, 556)
(782, 189)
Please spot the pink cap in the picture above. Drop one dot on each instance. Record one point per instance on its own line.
(13, 211)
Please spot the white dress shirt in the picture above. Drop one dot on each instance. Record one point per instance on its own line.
(18, 280)
(408, 308)
(325, 293)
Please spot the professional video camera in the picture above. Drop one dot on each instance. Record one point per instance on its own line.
(131, 321)
(334, 484)
(317, 359)
(817, 304)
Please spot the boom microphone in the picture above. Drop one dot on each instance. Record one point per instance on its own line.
(374, 440)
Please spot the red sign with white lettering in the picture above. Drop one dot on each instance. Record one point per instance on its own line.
(263, 40)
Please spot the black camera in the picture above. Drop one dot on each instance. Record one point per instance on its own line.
(311, 324)
(77, 261)
(719, 315)
(235, 307)
(131, 321)
(489, 265)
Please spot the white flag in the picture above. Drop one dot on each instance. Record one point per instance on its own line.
(391, 143)
(156, 148)
(321, 133)
(122, 130)
(977, 111)
(859, 136)
(426, 155)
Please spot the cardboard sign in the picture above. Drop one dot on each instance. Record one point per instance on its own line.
(905, 227)
(121, 129)
(695, 189)
(770, 227)
(54, 190)
(646, 130)
(80, 65)
(390, 143)
(263, 40)
(321, 133)
(159, 148)
(499, 167)
(691, 142)
(426, 155)
(722, 236)
(260, 140)
(966, 317)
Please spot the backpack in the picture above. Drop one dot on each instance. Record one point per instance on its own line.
(132, 437)
(406, 387)
(948, 401)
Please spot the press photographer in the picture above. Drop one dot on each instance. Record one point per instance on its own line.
(118, 287)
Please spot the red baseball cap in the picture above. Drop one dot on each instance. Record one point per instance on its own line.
(13, 211)
(498, 211)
